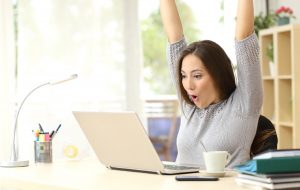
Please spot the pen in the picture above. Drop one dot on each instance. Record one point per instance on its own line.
(52, 136)
(58, 128)
(52, 133)
(41, 128)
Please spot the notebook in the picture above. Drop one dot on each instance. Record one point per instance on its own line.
(120, 142)
(278, 153)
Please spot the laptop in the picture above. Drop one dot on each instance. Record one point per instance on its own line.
(121, 142)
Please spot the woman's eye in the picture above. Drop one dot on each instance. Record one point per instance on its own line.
(183, 76)
(198, 76)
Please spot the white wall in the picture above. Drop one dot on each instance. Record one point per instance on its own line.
(259, 6)
(294, 5)
(275, 4)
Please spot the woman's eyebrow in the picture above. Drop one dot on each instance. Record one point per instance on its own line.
(195, 70)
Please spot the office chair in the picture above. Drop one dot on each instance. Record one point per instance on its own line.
(265, 137)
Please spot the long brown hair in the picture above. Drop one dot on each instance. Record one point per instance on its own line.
(216, 62)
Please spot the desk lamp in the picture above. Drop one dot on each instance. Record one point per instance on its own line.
(14, 161)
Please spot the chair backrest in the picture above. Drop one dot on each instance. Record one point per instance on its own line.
(265, 138)
(164, 109)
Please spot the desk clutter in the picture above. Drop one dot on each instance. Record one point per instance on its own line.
(277, 169)
(43, 144)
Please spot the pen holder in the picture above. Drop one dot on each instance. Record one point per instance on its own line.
(43, 152)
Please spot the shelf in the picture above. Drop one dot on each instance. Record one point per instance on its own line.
(284, 53)
(281, 92)
(278, 29)
(284, 77)
(265, 42)
(285, 137)
(268, 78)
(286, 124)
(268, 110)
(285, 101)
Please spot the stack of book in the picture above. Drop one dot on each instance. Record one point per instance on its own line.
(277, 169)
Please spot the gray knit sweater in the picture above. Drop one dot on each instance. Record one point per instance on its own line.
(228, 125)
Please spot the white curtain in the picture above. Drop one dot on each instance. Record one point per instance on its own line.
(7, 81)
(96, 39)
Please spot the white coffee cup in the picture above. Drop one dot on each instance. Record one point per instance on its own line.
(215, 161)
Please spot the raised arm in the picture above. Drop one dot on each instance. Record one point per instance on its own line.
(171, 20)
(245, 19)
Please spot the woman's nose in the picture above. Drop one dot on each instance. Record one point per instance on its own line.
(190, 84)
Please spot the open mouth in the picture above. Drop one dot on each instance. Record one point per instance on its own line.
(194, 98)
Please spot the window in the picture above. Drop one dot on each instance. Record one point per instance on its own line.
(96, 39)
(201, 20)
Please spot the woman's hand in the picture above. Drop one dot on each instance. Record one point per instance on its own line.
(171, 20)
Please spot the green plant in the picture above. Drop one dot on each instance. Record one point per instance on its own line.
(270, 51)
(262, 22)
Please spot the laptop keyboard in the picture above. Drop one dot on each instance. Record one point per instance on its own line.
(176, 167)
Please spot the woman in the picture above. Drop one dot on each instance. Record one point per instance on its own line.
(217, 114)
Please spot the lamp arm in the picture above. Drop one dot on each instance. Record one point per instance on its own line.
(15, 144)
(14, 162)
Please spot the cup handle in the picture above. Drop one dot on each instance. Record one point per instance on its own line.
(228, 158)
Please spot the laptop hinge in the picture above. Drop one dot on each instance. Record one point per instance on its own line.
(132, 170)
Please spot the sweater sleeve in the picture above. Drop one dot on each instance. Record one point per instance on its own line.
(249, 92)
(173, 54)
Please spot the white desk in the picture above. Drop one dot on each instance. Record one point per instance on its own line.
(89, 174)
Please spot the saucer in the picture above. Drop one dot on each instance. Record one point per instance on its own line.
(214, 174)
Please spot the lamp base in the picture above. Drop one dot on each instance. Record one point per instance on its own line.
(13, 164)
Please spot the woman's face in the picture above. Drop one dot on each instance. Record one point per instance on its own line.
(197, 82)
